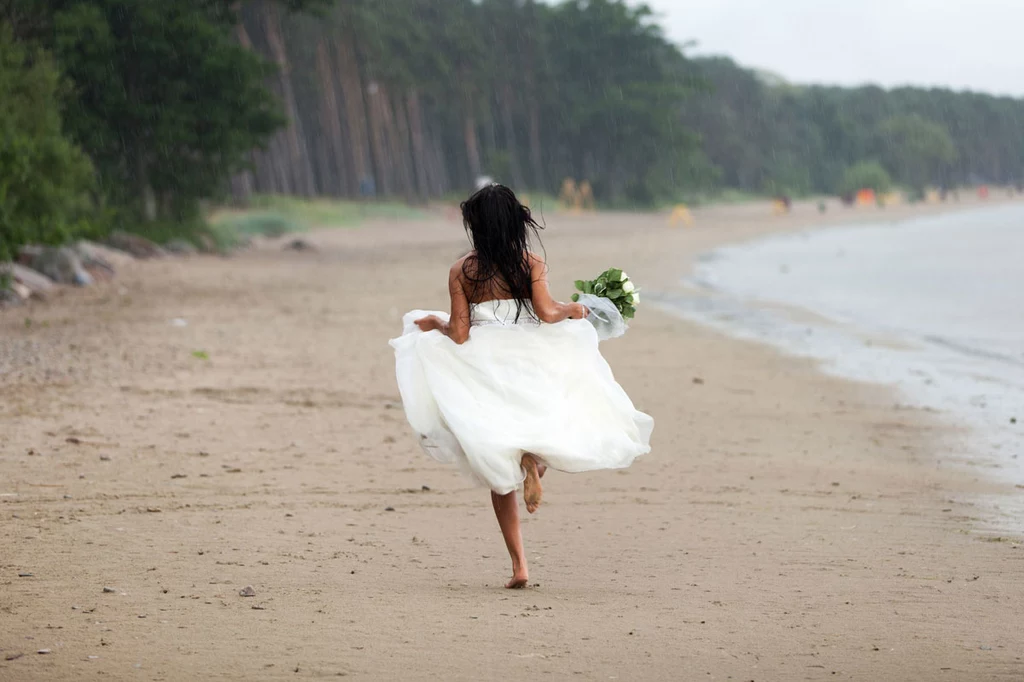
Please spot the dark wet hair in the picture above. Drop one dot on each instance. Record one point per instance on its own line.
(500, 228)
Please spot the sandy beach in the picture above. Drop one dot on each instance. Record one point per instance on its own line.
(786, 526)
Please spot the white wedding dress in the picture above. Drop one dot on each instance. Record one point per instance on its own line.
(512, 388)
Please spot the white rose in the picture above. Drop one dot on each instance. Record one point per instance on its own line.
(634, 298)
(628, 287)
(624, 277)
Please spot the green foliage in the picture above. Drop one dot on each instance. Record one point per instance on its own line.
(915, 149)
(165, 102)
(44, 178)
(306, 213)
(614, 285)
(614, 113)
(160, 97)
(275, 216)
(535, 86)
(769, 136)
(866, 175)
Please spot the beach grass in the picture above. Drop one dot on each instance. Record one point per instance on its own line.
(271, 215)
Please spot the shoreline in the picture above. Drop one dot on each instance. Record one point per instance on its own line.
(787, 524)
(786, 326)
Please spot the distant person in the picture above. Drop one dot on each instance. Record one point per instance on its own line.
(586, 196)
(570, 193)
(512, 382)
(367, 187)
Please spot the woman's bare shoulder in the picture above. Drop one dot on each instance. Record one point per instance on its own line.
(460, 264)
(538, 266)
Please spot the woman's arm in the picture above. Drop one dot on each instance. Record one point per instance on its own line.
(457, 328)
(547, 308)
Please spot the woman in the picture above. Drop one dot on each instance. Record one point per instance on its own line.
(511, 382)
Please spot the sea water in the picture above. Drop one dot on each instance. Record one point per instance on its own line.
(931, 306)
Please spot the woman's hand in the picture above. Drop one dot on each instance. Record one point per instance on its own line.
(429, 323)
(579, 311)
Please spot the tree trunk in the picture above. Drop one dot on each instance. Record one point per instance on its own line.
(490, 145)
(398, 127)
(299, 167)
(355, 114)
(330, 122)
(241, 187)
(437, 173)
(381, 157)
(510, 136)
(242, 184)
(536, 158)
(472, 146)
(418, 148)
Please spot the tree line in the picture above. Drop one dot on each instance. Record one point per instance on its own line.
(131, 113)
(763, 135)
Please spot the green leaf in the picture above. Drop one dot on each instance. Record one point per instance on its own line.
(200, 355)
(575, 298)
(581, 285)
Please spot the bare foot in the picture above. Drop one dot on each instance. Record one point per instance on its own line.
(518, 581)
(532, 490)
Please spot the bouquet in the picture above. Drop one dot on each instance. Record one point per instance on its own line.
(615, 285)
(612, 299)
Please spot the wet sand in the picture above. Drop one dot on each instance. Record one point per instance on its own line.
(787, 525)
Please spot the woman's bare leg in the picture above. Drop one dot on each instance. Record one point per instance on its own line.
(506, 508)
(532, 490)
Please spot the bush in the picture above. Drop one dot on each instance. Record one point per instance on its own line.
(866, 175)
(44, 178)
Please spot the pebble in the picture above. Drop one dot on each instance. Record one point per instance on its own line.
(299, 245)
(389, 509)
(109, 590)
(24, 575)
(43, 651)
(247, 591)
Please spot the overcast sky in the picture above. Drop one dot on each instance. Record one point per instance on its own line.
(963, 44)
